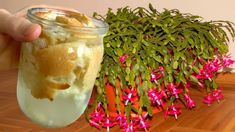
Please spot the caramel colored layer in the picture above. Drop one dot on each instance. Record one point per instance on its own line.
(55, 60)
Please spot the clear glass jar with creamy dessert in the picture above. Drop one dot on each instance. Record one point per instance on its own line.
(57, 71)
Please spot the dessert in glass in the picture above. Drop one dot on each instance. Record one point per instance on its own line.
(57, 71)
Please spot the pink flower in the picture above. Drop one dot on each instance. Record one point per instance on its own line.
(173, 110)
(217, 94)
(200, 60)
(123, 58)
(96, 116)
(209, 68)
(216, 49)
(154, 76)
(201, 84)
(187, 85)
(130, 95)
(194, 62)
(227, 61)
(189, 102)
(108, 123)
(209, 99)
(212, 96)
(130, 128)
(157, 74)
(121, 119)
(212, 66)
(94, 124)
(90, 101)
(141, 123)
(156, 97)
(99, 106)
(204, 74)
(173, 90)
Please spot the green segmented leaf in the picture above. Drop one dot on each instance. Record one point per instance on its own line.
(193, 79)
(157, 58)
(195, 69)
(177, 55)
(175, 65)
(128, 109)
(119, 52)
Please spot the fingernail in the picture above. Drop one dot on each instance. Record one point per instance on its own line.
(32, 32)
(28, 29)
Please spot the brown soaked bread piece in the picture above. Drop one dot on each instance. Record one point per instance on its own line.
(75, 19)
(80, 17)
(55, 60)
(44, 15)
(54, 38)
(68, 21)
(46, 89)
(50, 39)
(58, 35)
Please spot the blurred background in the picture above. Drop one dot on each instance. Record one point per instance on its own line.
(208, 9)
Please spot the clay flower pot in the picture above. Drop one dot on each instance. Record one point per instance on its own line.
(112, 105)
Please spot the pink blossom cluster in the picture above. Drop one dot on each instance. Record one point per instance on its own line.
(215, 95)
(211, 67)
(161, 95)
(99, 119)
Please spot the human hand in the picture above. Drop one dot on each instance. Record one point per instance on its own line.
(13, 30)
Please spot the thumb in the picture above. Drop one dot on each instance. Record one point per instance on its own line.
(17, 27)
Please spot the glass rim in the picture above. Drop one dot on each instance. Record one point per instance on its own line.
(101, 27)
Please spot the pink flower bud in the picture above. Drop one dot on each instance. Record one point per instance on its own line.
(99, 106)
(187, 85)
(209, 99)
(156, 97)
(201, 84)
(227, 61)
(123, 58)
(201, 60)
(189, 102)
(154, 77)
(94, 124)
(143, 124)
(217, 94)
(157, 74)
(174, 90)
(108, 123)
(90, 103)
(194, 62)
(121, 119)
(173, 110)
(130, 128)
(216, 49)
(96, 116)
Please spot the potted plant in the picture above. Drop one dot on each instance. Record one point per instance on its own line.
(152, 59)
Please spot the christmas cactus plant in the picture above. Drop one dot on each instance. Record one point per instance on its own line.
(153, 58)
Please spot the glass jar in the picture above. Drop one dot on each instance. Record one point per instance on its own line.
(57, 71)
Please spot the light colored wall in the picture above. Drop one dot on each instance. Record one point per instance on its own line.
(209, 9)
